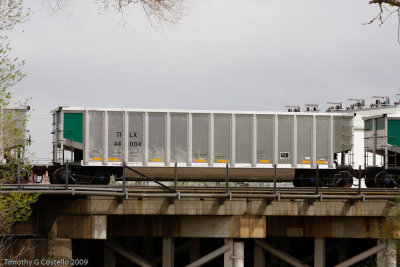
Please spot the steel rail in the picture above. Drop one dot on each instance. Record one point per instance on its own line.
(201, 189)
(179, 195)
(58, 187)
(292, 190)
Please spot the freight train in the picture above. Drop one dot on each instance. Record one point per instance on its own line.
(90, 145)
(13, 134)
(382, 141)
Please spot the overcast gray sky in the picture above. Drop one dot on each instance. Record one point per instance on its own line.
(225, 54)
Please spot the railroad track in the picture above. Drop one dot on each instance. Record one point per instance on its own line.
(207, 192)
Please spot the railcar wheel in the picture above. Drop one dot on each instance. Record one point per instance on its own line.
(382, 180)
(345, 179)
(345, 183)
(59, 176)
(91, 178)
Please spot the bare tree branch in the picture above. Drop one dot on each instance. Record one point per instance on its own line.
(383, 9)
(398, 28)
(162, 11)
(390, 2)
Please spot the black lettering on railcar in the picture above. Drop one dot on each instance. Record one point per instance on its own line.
(135, 144)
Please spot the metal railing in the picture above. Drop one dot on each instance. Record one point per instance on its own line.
(273, 193)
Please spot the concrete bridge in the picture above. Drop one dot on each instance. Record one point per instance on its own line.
(194, 229)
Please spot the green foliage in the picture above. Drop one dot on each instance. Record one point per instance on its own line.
(10, 71)
(12, 121)
(11, 14)
(14, 208)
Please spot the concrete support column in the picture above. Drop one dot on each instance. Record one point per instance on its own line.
(109, 257)
(391, 253)
(259, 256)
(319, 252)
(60, 249)
(194, 250)
(388, 256)
(238, 254)
(380, 256)
(168, 252)
(228, 260)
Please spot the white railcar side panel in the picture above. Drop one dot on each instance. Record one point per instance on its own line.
(210, 138)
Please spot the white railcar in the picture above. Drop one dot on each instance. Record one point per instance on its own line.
(13, 134)
(200, 142)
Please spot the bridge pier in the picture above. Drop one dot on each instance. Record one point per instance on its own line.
(168, 252)
(238, 254)
(388, 256)
(60, 249)
(319, 252)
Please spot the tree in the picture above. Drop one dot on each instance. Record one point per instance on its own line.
(170, 11)
(386, 9)
(11, 14)
(14, 207)
(390, 2)
(162, 11)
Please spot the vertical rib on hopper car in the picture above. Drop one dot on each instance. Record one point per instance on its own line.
(201, 142)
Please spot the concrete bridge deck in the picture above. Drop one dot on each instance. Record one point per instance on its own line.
(59, 221)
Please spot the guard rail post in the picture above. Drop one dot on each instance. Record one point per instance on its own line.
(227, 179)
(176, 176)
(317, 180)
(123, 177)
(275, 179)
(67, 174)
(359, 179)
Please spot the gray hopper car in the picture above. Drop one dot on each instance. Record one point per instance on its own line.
(201, 143)
(13, 133)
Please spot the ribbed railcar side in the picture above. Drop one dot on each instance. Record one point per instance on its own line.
(382, 150)
(202, 142)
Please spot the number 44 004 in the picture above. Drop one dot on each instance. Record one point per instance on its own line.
(134, 144)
